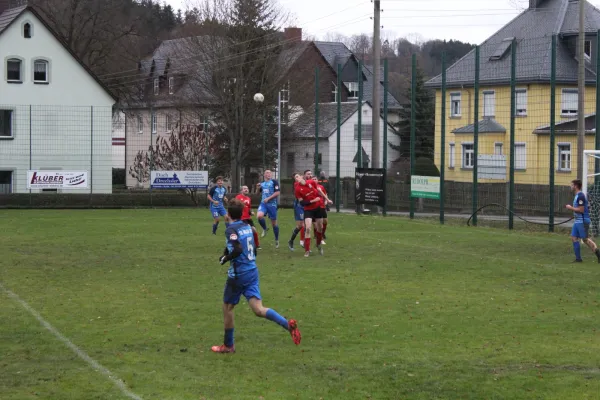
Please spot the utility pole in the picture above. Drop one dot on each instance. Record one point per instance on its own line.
(581, 92)
(375, 126)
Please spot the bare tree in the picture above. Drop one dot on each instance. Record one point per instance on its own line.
(336, 37)
(361, 46)
(240, 58)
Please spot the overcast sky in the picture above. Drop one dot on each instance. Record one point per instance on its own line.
(467, 20)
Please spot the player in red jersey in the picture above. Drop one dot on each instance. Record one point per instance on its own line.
(247, 212)
(299, 218)
(310, 197)
(323, 208)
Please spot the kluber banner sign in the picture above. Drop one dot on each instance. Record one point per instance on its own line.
(57, 180)
(179, 179)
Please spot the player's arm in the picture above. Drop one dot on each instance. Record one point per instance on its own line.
(324, 195)
(211, 193)
(580, 204)
(234, 247)
(277, 191)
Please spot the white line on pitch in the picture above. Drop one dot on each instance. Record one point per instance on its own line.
(93, 363)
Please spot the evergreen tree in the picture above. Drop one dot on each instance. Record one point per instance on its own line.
(424, 118)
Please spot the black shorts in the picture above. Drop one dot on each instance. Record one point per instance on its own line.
(314, 214)
(249, 222)
(324, 212)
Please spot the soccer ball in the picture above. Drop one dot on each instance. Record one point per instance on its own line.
(259, 98)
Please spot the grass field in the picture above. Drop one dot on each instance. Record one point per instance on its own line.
(396, 309)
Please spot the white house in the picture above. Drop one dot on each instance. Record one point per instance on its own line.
(298, 145)
(54, 113)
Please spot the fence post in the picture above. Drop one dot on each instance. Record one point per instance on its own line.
(359, 160)
(151, 156)
(91, 153)
(552, 130)
(316, 121)
(264, 140)
(443, 139)
(338, 180)
(30, 149)
(385, 126)
(513, 112)
(597, 138)
(476, 137)
(413, 127)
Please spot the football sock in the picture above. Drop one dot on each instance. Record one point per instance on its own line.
(324, 228)
(302, 233)
(262, 223)
(307, 244)
(294, 234)
(577, 248)
(278, 319)
(319, 236)
(228, 338)
(255, 234)
(215, 226)
(276, 232)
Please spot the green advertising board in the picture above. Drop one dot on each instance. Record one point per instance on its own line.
(425, 187)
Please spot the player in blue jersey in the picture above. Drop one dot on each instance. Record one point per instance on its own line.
(242, 279)
(581, 226)
(217, 196)
(268, 205)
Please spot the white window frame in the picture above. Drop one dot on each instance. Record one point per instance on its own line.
(12, 179)
(140, 122)
(353, 87)
(587, 55)
(154, 123)
(569, 108)
(47, 66)
(12, 123)
(168, 123)
(171, 85)
(464, 155)
(489, 94)
(523, 166)
(521, 109)
(21, 62)
(451, 155)
(335, 92)
(455, 97)
(559, 153)
(498, 145)
(156, 86)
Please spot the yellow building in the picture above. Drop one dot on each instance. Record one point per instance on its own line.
(531, 32)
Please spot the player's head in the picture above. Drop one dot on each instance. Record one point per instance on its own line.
(234, 209)
(299, 178)
(245, 190)
(268, 174)
(315, 179)
(307, 174)
(576, 185)
(219, 181)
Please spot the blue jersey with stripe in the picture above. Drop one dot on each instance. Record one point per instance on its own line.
(217, 194)
(241, 233)
(578, 201)
(268, 189)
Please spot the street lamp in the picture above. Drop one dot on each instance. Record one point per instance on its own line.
(260, 98)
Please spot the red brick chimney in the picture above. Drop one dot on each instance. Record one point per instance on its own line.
(291, 34)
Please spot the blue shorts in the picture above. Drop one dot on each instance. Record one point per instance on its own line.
(299, 213)
(246, 284)
(269, 210)
(580, 230)
(217, 211)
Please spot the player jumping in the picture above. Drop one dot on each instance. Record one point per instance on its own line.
(216, 196)
(310, 197)
(247, 213)
(242, 278)
(270, 192)
(324, 206)
(299, 218)
(581, 226)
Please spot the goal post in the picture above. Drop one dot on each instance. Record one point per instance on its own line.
(591, 186)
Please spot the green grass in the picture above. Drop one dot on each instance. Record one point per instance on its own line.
(396, 309)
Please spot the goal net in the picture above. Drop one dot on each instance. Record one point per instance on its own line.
(591, 187)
